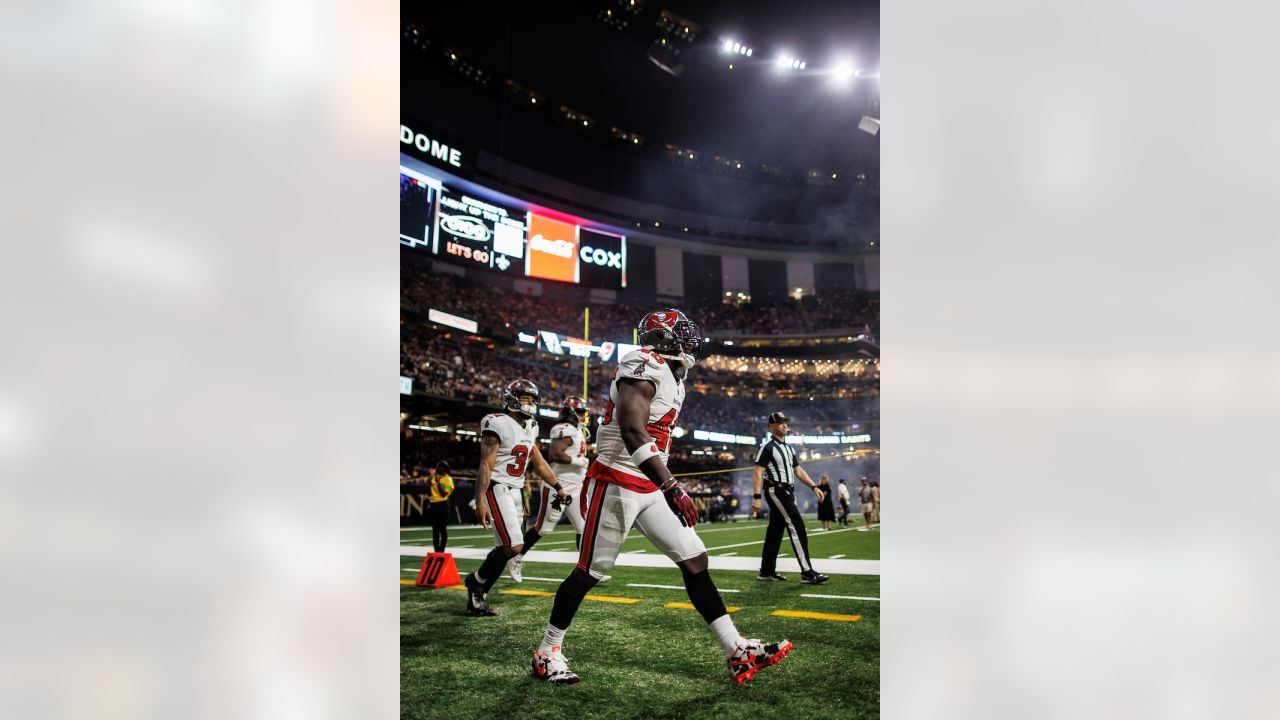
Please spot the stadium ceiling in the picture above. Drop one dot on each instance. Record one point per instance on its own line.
(606, 58)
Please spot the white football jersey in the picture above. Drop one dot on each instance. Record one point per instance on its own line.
(515, 444)
(614, 462)
(570, 476)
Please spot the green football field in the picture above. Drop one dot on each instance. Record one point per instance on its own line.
(637, 656)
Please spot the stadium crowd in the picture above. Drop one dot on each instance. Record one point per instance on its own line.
(421, 290)
(723, 400)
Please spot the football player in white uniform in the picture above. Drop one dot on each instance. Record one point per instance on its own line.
(508, 443)
(629, 485)
(568, 455)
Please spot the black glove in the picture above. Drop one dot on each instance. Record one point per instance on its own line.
(679, 502)
(561, 498)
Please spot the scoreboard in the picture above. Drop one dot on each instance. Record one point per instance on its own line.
(476, 232)
(464, 228)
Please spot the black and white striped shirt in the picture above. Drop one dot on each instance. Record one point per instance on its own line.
(779, 462)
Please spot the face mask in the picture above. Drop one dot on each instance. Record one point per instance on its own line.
(683, 360)
(529, 409)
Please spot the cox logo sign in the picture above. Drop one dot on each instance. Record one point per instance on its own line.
(465, 226)
(603, 258)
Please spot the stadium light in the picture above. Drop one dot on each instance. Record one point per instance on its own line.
(736, 47)
(843, 73)
(728, 46)
(748, 52)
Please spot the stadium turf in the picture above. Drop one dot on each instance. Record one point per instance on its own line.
(645, 659)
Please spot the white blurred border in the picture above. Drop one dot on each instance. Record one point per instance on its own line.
(197, 421)
(1080, 394)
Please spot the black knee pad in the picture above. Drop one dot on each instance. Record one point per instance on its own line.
(582, 580)
(694, 565)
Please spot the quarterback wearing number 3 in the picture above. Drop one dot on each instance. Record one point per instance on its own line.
(629, 485)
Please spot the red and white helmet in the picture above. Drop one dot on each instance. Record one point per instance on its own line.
(516, 390)
(573, 410)
(672, 335)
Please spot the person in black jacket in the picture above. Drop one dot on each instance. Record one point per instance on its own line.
(826, 506)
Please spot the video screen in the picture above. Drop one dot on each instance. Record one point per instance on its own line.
(472, 230)
(417, 210)
(602, 259)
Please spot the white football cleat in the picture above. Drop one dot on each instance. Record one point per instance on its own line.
(604, 579)
(515, 568)
(552, 667)
(752, 656)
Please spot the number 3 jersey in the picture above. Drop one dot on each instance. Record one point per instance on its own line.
(515, 443)
(614, 464)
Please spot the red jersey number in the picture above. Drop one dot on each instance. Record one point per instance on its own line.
(516, 469)
(660, 431)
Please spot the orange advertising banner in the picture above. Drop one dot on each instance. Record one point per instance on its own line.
(553, 249)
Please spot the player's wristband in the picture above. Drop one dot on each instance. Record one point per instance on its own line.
(756, 496)
(644, 452)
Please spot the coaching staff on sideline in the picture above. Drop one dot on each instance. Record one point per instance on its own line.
(777, 467)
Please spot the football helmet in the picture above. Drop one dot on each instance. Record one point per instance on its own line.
(574, 410)
(517, 389)
(672, 335)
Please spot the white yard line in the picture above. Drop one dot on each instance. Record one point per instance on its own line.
(728, 554)
(836, 557)
(673, 587)
(717, 562)
(761, 540)
(467, 528)
(841, 597)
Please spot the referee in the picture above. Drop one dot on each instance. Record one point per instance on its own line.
(777, 467)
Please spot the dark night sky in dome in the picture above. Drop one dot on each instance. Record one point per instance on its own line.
(752, 112)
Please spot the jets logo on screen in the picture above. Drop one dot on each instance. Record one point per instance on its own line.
(464, 226)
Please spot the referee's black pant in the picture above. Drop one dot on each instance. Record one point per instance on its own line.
(783, 514)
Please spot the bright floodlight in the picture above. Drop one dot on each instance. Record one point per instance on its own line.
(784, 61)
(801, 64)
(728, 46)
(736, 47)
(844, 71)
(748, 52)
